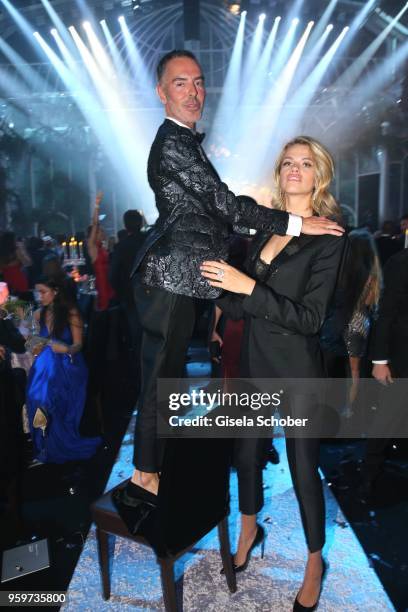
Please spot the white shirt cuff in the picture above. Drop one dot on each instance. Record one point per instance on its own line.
(294, 225)
(380, 362)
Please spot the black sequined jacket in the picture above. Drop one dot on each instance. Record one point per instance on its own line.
(196, 215)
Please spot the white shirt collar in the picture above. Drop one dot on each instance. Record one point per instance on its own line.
(178, 123)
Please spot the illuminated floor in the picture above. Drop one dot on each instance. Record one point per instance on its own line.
(269, 584)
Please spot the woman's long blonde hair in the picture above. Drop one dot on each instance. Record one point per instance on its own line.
(323, 203)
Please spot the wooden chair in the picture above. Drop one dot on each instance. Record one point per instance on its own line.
(192, 500)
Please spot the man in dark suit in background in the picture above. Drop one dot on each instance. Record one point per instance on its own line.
(389, 354)
(196, 214)
(386, 242)
(123, 257)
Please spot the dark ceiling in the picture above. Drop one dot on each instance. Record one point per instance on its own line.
(74, 11)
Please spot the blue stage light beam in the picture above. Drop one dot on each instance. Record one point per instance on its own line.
(224, 116)
(350, 76)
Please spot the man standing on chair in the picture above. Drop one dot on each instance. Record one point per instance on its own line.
(196, 215)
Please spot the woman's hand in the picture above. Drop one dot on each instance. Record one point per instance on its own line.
(224, 276)
(37, 349)
(58, 347)
(215, 337)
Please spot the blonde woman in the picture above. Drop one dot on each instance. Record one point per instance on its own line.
(283, 298)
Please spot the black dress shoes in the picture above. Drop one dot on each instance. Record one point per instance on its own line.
(298, 607)
(134, 504)
(260, 538)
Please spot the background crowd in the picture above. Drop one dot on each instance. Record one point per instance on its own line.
(51, 383)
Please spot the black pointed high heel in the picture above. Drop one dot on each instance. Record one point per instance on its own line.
(298, 607)
(260, 538)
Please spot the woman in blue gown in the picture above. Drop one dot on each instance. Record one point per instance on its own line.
(57, 383)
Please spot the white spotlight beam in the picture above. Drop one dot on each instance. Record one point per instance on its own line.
(13, 88)
(288, 37)
(22, 23)
(224, 116)
(278, 94)
(370, 87)
(142, 77)
(266, 53)
(98, 51)
(86, 55)
(117, 60)
(281, 58)
(59, 25)
(350, 76)
(88, 103)
(129, 142)
(254, 51)
(254, 91)
(387, 18)
(311, 55)
(358, 22)
(270, 111)
(84, 10)
(299, 102)
(29, 75)
(71, 63)
(322, 24)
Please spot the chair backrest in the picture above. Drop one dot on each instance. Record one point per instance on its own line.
(193, 493)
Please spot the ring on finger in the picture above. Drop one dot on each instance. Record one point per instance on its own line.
(220, 273)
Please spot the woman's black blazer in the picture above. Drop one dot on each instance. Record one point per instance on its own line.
(285, 311)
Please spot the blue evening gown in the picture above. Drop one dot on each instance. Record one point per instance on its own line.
(57, 384)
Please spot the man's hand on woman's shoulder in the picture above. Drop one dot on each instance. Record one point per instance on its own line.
(316, 226)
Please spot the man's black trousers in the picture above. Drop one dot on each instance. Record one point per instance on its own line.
(167, 321)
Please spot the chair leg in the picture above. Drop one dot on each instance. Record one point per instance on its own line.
(225, 549)
(168, 584)
(103, 553)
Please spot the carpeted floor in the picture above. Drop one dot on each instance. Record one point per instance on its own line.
(269, 584)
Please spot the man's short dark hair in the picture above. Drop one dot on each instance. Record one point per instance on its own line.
(132, 220)
(161, 66)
